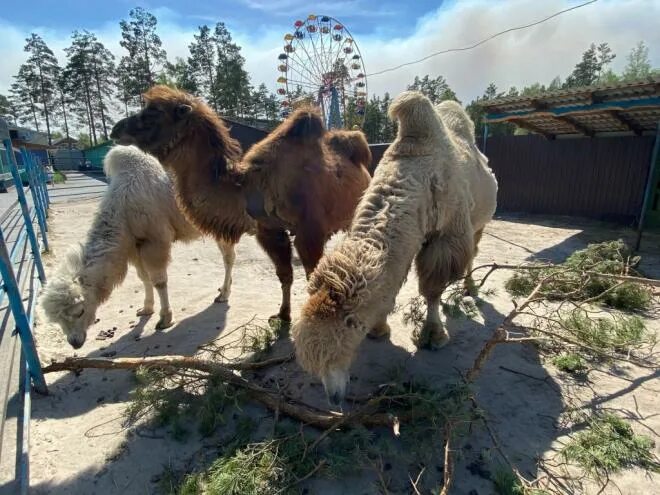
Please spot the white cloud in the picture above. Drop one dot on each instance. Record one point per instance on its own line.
(537, 54)
(519, 58)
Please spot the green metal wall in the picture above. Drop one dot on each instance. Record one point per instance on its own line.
(97, 153)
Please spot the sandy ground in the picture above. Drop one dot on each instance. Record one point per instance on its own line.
(78, 445)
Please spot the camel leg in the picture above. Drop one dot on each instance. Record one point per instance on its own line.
(148, 306)
(309, 243)
(228, 258)
(277, 245)
(441, 261)
(380, 330)
(469, 287)
(155, 258)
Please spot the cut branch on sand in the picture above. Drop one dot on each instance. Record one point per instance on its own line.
(269, 398)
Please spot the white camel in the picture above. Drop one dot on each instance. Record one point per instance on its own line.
(137, 222)
(419, 206)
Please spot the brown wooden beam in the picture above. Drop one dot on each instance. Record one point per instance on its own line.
(629, 124)
(576, 125)
(532, 128)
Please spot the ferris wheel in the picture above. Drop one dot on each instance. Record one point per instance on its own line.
(322, 64)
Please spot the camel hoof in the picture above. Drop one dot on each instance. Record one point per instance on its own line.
(165, 321)
(222, 297)
(380, 331)
(144, 312)
(280, 324)
(432, 336)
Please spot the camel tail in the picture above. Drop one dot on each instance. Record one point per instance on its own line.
(352, 144)
(415, 115)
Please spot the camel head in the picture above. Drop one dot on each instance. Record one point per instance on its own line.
(158, 126)
(326, 340)
(68, 301)
(330, 328)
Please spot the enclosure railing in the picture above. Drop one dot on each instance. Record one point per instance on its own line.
(19, 283)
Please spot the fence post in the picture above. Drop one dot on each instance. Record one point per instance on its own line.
(36, 199)
(20, 318)
(36, 172)
(44, 183)
(32, 236)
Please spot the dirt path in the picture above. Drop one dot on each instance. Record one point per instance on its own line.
(78, 445)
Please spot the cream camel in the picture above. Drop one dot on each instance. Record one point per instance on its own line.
(137, 222)
(418, 207)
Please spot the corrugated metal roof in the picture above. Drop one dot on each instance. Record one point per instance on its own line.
(623, 107)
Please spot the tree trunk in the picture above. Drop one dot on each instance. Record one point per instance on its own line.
(33, 108)
(43, 100)
(98, 90)
(66, 125)
(90, 110)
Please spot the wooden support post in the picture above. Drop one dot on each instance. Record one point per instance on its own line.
(649, 187)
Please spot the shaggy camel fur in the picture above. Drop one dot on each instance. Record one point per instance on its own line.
(300, 179)
(137, 222)
(209, 198)
(482, 182)
(418, 206)
(307, 181)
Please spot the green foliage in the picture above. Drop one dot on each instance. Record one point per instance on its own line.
(639, 64)
(616, 334)
(570, 363)
(436, 89)
(59, 177)
(176, 403)
(178, 74)
(592, 67)
(146, 55)
(608, 445)
(507, 483)
(88, 80)
(569, 280)
(274, 464)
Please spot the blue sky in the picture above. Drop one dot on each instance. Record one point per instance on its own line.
(388, 33)
(364, 16)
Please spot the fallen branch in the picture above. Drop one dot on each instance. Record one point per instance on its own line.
(269, 398)
(448, 471)
(186, 362)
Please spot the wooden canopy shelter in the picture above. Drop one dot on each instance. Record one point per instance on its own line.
(589, 111)
(622, 109)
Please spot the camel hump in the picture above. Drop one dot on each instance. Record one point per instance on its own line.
(456, 119)
(121, 158)
(415, 113)
(352, 144)
(305, 123)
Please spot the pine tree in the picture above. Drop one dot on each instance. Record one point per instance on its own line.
(232, 87)
(145, 53)
(388, 128)
(639, 64)
(44, 65)
(605, 56)
(24, 94)
(373, 120)
(179, 74)
(436, 90)
(80, 72)
(8, 109)
(103, 74)
(65, 101)
(203, 63)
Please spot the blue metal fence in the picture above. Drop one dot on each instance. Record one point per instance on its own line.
(27, 242)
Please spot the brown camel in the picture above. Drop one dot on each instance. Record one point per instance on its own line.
(300, 180)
